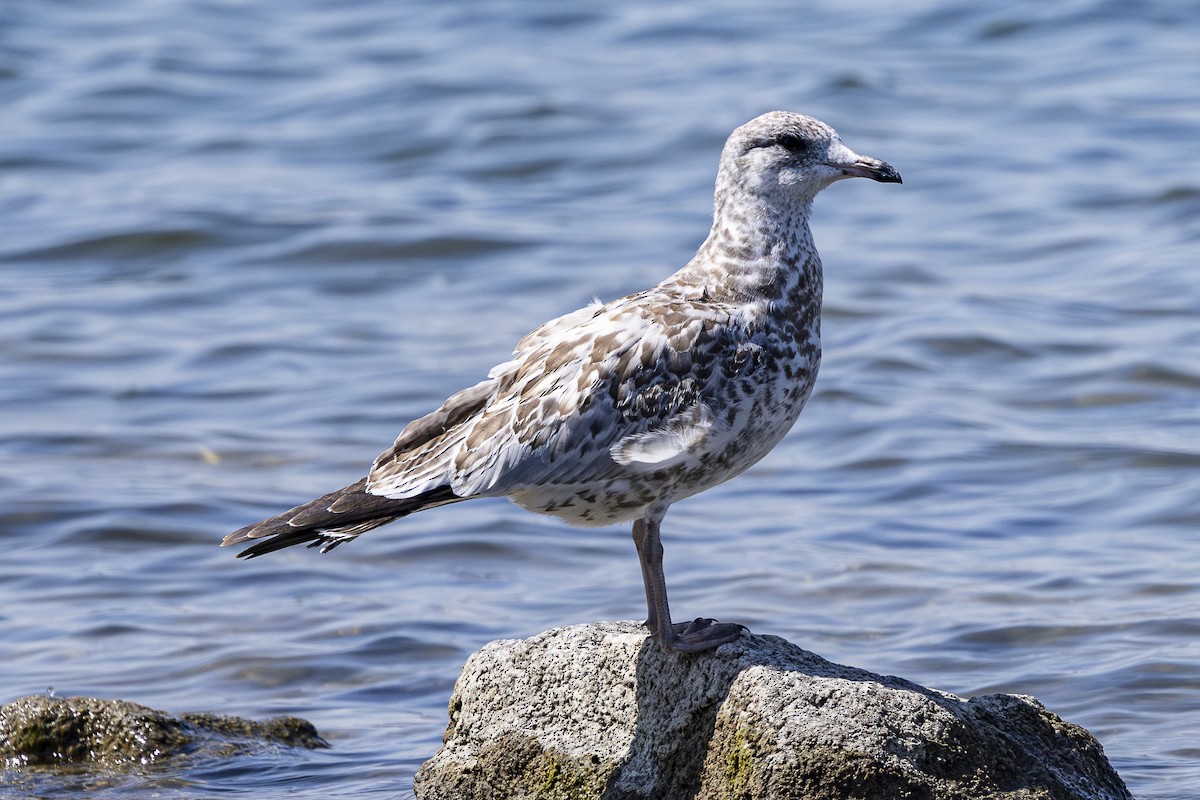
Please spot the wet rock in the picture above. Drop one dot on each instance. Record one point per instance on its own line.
(42, 731)
(596, 711)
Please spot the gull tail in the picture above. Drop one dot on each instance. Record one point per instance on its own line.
(332, 519)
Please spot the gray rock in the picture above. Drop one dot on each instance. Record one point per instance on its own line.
(597, 711)
(85, 732)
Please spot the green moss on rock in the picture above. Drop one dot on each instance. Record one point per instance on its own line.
(739, 763)
(45, 732)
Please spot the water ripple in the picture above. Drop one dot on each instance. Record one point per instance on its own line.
(241, 247)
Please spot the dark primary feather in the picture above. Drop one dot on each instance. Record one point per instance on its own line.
(336, 517)
(344, 514)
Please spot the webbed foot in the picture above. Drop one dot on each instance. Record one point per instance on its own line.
(699, 635)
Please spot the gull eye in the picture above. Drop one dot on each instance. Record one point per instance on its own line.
(791, 142)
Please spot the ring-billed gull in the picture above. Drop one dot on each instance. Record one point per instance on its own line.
(615, 411)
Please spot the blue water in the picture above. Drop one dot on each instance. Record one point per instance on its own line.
(241, 244)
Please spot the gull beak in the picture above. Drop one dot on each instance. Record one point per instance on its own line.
(873, 168)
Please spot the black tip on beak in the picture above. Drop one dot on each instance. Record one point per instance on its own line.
(886, 173)
(872, 168)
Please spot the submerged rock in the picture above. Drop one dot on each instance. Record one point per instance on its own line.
(42, 731)
(597, 711)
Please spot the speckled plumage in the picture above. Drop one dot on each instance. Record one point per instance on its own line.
(617, 410)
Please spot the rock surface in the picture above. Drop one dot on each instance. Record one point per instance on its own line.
(596, 711)
(45, 732)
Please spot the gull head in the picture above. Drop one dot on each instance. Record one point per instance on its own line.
(788, 157)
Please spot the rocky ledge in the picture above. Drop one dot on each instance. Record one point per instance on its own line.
(85, 732)
(596, 711)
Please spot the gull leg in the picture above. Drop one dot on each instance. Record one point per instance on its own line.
(639, 539)
(686, 637)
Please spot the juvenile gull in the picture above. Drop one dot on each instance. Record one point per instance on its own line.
(616, 411)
